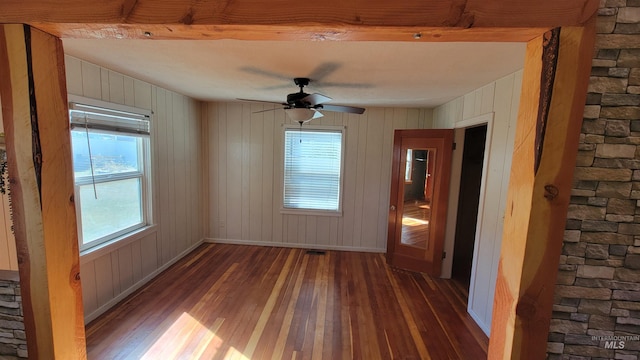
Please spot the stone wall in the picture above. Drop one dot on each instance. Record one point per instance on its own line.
(597, 298)
(13, 343)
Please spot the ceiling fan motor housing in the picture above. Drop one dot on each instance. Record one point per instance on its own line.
(295, 99)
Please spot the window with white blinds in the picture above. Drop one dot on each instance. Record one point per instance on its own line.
(111, 167)
(313, 169)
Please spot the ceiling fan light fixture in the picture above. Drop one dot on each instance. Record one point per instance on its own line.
(302, 107)
(302, 114)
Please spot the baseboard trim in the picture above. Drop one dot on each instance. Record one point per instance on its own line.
(486, 329)
(102, 309)
(297, 246)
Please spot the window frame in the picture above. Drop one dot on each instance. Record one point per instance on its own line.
(144, 174)
(313, 128)
(408, 170)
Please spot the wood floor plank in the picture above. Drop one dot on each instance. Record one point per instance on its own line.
(245, 302)
(414, 331)
(321, 296)
(283, 334)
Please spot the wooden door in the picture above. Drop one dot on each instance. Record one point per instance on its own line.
(419, 194)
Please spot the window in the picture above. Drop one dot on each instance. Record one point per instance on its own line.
(110, 166)
(408, 168)
(313, 169)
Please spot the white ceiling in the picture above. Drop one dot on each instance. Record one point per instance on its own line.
(406, 74)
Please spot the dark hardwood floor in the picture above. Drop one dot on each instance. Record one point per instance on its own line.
(246, 302)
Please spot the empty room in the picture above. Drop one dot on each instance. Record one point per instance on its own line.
(202, 192)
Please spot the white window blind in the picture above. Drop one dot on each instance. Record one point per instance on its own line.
(312, 169)
(97, 118)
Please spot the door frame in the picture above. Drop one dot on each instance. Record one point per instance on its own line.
(438, 217)
(454, 189)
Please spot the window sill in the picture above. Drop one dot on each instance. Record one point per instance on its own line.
(114, 244)
(307, 212)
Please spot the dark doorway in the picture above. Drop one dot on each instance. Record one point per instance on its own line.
(469, 198)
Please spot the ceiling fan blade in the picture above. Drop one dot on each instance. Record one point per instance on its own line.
(276, 87)
(315, 99)
(267, 73)
(322, 84)
(261, 111)
(323, 70)
(263, 101)
(340, 108)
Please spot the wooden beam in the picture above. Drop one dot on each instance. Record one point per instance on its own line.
(304, 32)
(34, 110)
(537, 201)
(292, 19)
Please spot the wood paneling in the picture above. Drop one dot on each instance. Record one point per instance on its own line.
(282, 303)
(8, 256)
(176, 152)
(245, 178)
(500, 98)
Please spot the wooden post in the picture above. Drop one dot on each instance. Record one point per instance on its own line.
(34, 110)
(546, 144)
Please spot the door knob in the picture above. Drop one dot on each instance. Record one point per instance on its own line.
(392, 208)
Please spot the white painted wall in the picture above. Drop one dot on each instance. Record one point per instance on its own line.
(111, 273)
(245, 154)
(501, 98)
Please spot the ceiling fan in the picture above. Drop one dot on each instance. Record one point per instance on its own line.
(302, 107)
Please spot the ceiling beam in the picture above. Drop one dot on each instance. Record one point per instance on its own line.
(433, 20)
(287, 32)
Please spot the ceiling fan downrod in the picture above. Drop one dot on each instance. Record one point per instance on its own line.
(301, 82)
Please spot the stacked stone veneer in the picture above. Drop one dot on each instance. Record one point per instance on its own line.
(598, 287)
(13, 343)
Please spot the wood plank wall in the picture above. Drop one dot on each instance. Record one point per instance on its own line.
(8, 257)
(501, 98)
(110, 274)
(245, 157)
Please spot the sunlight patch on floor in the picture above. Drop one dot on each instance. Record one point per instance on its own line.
(187, 338)
(234, 354)
(408, 221)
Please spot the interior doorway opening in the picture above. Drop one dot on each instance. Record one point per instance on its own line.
(468, 204)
